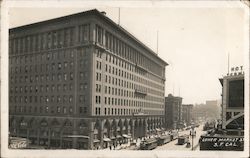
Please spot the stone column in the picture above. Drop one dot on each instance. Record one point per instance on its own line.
(28, 133)
(61, 138)
(49, 138)
(38, 136)
(91, 136)
(101, 140)
(145, 129)
(74, 140)
(75, 132)
(92, 32)
(133, 129)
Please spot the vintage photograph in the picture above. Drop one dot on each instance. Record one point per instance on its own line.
(120, 78)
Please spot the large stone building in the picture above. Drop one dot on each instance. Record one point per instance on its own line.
(187, 114)
(233, 103)
(82, 81)
(173, 112)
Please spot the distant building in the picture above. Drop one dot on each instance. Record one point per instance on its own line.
(209, 111)
(233, 103)
(187, 114)
(214, 106)
(173, 112)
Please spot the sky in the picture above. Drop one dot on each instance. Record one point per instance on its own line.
(194, 41)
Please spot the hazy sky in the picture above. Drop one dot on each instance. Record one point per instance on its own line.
(194, 41)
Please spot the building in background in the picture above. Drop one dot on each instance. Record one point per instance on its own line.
(233, 102)
(209, 111)
(187, 114)
(82, 81)
(173, 112)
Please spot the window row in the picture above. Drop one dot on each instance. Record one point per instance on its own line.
(118, 92)
(42, 41)
(119, 72)
(41, 99)
(41, 88)
(127, 102)
(120, 48)
(42, 67)
(42, 78)
(47, 57)
(120, 111)
(42, 109)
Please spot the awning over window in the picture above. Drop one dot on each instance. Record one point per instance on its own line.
(126, 136)
(77, 136)
(96, 140)
(106, 139)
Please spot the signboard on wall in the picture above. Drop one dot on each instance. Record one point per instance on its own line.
(236, 93)
(234, 143)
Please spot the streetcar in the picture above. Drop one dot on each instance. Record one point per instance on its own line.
(148, 144)
(163, 139)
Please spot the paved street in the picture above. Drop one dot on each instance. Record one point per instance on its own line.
(173, 145)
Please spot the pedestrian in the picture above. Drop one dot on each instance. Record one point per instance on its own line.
(110, 147)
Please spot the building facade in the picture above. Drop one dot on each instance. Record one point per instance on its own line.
(82, 81)
(187, 114)
(233, 103)
(173, 112)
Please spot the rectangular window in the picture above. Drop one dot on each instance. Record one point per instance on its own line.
(85, 110)
(58, 109)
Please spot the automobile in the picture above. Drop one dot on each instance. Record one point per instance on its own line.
(183, 139)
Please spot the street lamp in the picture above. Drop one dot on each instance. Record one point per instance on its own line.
(192, 134)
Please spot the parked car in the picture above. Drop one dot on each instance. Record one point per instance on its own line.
(183, 139)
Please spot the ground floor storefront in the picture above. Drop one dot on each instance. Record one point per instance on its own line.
(84, 133)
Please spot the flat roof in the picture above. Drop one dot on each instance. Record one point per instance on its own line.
(91, 12)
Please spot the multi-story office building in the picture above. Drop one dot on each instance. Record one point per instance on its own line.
(187, 114)
(82, 81)
(173, 112)
(233, 103)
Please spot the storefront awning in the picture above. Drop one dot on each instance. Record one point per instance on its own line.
(96, 140)
(118, 136)
(77, 136)
(106, 139)
(126, 136)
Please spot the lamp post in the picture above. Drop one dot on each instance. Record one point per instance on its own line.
(192, 134)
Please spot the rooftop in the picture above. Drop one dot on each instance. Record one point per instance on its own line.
(90, 12)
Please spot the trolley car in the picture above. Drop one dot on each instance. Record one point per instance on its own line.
(148, 144)
(163, 139)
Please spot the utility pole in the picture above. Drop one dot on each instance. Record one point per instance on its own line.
(119, 16)
(157, 42)
(192, 133)
(228, 63)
